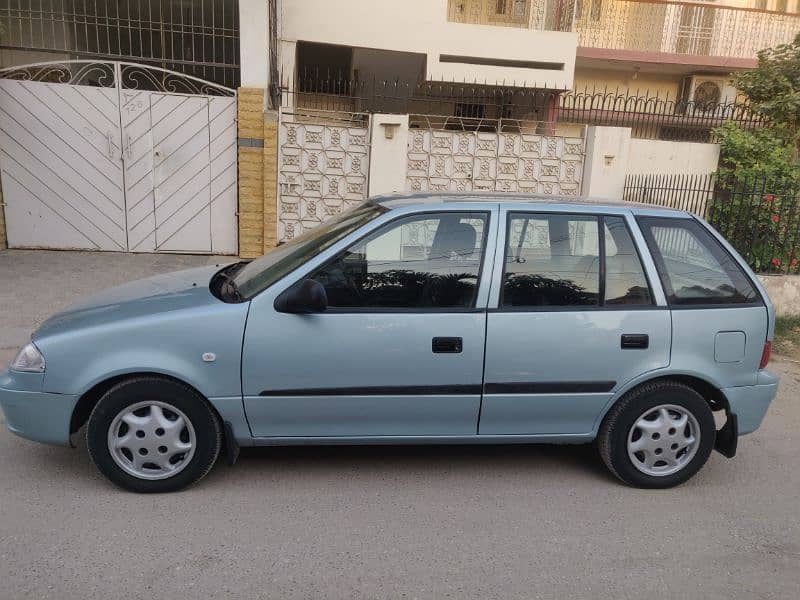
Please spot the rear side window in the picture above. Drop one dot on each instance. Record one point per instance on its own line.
(559, 260)
(626, 283)
(551, 260)
(694, 268)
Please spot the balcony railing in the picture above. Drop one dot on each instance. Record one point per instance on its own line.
(551, 15)
(677, 27)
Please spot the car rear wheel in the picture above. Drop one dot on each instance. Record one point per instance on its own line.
(658, 435)
(149, 434)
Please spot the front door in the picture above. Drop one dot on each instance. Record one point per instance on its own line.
(575, 319)
(399, 352)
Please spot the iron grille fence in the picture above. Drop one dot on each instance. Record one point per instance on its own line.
(195, 37)
(480, 107)
(760, 218)
(689, 192)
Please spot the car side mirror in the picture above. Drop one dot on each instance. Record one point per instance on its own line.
(305, 297)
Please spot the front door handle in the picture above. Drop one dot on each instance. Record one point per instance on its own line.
(447, 345)
(634, 340)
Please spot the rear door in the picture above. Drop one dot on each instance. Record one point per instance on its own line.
(571, 318)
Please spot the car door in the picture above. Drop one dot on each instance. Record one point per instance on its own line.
(572, 317)
(399, 350)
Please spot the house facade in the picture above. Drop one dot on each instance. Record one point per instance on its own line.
(310, 106)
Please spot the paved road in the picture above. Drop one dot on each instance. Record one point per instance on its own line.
(453, 522)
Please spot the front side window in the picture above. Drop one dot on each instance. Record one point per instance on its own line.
(558, 260)
(430, 261)
(279, 262)
(694, 268)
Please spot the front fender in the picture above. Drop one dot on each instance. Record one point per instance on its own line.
(171, 344)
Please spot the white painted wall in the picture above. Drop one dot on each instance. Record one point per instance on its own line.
(608, 152)
(387, 164)
(658, 156)
(422, 26)
(254, 43)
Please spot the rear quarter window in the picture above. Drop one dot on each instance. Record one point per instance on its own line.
(695, 269)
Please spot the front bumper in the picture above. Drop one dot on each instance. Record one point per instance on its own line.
(33, 414)
(750, 403)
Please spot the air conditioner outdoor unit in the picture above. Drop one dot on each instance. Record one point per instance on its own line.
(705, 94)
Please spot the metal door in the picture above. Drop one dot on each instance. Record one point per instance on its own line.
(117, 156)
(181, 172)
(61, 169)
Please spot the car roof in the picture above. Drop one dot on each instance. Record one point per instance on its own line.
(551, 202)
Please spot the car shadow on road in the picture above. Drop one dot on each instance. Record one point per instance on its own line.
(498, 460)
(288, 464)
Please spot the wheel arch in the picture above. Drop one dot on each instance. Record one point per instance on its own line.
(89, 399)
(710, 391)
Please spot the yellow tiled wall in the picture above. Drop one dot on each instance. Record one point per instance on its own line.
(258, 163)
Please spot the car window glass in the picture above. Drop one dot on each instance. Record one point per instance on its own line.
(278, 262)
(551, 260)
(625, 279)
(423, 261)
(693, 266)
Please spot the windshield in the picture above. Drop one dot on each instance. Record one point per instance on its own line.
(262, 273)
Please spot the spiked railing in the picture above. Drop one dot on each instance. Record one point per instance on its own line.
(472, 106)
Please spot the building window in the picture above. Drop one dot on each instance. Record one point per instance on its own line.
(196, 37)
(467, 110)
(500, 7)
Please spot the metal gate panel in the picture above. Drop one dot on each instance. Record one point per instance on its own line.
(138, 162)
(224, 161)
(118, 156)
(181, 172)
(61, 174)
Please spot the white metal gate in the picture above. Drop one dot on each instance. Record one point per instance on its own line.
(117, 156)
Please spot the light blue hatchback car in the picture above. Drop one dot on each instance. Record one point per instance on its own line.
(418, 320)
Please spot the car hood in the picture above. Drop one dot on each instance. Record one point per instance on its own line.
(144, 297)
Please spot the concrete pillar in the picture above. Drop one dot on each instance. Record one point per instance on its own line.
(270, 180)
(388, 154)
(254, 43)
(606, 162)
(287, 60)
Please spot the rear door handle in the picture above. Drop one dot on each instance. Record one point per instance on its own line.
(447, 345)
(634, 340)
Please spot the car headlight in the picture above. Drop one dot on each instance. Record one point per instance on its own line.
(29, 360)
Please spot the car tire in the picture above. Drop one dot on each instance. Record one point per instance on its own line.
(643, 442)
(151, 434)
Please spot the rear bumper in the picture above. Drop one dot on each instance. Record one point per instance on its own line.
(35, 415)
(750, 403)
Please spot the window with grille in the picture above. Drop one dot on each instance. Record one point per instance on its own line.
(196, 37)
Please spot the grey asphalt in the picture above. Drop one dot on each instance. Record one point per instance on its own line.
(389, 522)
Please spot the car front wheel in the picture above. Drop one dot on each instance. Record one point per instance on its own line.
(658, 435)
(149, 434)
